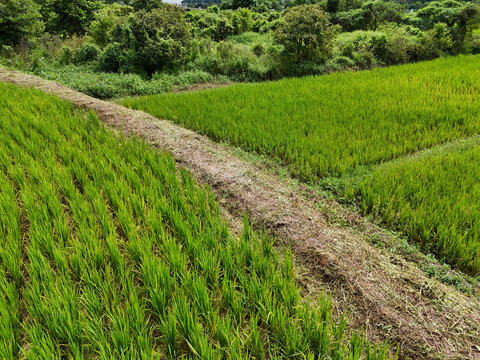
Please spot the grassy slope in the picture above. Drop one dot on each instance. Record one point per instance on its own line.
(333, 124)
(106, 251)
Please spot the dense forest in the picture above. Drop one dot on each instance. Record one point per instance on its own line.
(110, 49)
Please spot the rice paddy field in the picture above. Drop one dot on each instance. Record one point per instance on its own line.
(329, 126)
(108, 251)
(432, 198)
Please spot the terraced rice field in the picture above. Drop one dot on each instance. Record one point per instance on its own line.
(329, 126)
(107, 251)
(325, 125)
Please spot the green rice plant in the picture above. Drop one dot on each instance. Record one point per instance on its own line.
(326, 125)
(329, 127)
(113, 253)
(433, 198)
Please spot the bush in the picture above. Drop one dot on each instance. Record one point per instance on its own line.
(107, 22)
(305, 33)
(475, 44)
(111, 58)
(237, 61)
(67, 55)
(160, 38)
(86, 53)
(339, 63)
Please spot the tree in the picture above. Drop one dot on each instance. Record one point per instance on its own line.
(19, 19)
(159, 38)
(108, 20)
(379, 12)
(146, 5)
(305, 33)
(460, 18)
(68, 16)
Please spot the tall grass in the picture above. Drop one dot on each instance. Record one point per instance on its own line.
(108, 252)
(325, 125)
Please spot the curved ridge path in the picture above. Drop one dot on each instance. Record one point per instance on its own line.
(383, 292)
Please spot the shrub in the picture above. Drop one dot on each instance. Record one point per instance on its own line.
(67, 55)
(107, 20)
(305, 33)
(435, 42)
(160, 38)
(86, 53)
(339, 63)
(111, 58)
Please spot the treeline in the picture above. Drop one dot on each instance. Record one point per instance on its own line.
(242, 40)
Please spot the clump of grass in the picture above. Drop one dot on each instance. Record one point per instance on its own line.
(124, 258)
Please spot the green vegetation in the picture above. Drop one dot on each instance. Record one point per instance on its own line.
(109, 85)
(291, 38)
(344, 124)
(108, 252)
(325, 125)
(433, 199)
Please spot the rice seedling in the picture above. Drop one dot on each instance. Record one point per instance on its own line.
(325, 125)
(329, 127)
(433, 198)
(107, 251)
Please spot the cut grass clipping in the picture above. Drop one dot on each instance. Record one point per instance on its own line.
(107, 252)
(330, 125)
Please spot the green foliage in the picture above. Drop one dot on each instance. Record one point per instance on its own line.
(86, 53)
(159, 38)
(109, 85)
(111, 58)
(126, 257)
(19, 20)
(380, 12)
(305, 33)
(68, 16)
(146, 5)
(460, 18)
(435, 42)
(237, 61)
(108, 22)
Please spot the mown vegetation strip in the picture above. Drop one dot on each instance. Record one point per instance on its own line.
(326, 125)
(127, 257)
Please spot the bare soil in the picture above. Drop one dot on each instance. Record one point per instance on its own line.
(383, 292)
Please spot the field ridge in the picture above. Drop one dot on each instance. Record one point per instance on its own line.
(392, 296)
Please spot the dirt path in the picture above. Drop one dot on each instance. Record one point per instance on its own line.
(382, 291)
